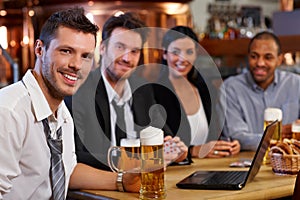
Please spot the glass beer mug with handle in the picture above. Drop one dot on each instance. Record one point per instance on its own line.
(270, 115)
(152, 166)
(126, 157)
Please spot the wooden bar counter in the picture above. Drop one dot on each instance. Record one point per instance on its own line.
(266, 185)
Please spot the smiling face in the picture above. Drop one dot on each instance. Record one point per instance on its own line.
(180, 56)
(64, 66)
(263, 59)
(121, 54)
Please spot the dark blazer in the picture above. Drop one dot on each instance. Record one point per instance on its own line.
(177, 120)
(91, 113)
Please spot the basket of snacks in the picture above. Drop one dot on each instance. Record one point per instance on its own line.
(285, 157)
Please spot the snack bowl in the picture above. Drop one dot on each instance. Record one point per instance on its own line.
(283, 164)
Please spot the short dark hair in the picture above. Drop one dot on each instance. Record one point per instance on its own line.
(129, 20)
(73, 18)
(178, 32)
(265, 35)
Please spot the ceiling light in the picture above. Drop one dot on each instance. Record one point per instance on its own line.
(31, 13)
(91, 3)
(3, 13)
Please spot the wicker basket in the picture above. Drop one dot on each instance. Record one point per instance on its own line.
(285, 164)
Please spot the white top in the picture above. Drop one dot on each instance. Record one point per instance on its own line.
(199, 126)
(24, 153)
(125, 99)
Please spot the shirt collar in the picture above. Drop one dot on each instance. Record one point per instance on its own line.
(112, 95)
(40, 105)
(63, 115)
(276, 77)
(255, 86)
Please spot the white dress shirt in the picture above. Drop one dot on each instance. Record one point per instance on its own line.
(24, 153)
(125, 99)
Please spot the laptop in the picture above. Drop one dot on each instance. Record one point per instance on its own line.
(230, 180)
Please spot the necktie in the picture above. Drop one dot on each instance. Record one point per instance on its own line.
(57, 171)
(120, 128)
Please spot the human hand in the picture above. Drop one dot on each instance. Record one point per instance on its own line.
(132, 181)
(235, 147)
(220, 149)
(174, 150)
(217, 149)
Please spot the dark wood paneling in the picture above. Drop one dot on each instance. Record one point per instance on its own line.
(238, 47)
(217, 47)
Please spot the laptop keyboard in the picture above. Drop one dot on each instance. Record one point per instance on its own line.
(227, 177)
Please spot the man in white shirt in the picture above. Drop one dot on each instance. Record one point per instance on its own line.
(64, 56)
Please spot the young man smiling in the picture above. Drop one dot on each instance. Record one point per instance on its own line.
(115, 83)
(37, 154)
(263, 86)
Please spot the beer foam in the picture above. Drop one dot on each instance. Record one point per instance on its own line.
(130, 142)
(152, 136)
(296, 126)
(272, 114)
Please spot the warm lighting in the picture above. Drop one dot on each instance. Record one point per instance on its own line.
(288, 57)
(25, 40)
(118, 13)
(31, 13)
(3, 37)
(3, 13)
(202, 36)
(144, 12)
(13, 43)
(90, 16)
(91, 3)
(176, 8)
(118, 3)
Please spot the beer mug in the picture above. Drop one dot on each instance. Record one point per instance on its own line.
(152, 166)
(296, 130)
(270, 115)
(126, 157)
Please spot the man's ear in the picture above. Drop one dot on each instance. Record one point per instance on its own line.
(280, 59)
(102, 48)
(38, 47)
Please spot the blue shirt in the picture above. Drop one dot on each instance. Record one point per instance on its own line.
(246, 102)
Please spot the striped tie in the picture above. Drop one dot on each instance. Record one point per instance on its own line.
(57, 172)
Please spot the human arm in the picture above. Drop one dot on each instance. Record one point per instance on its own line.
(86, 177)
(238, 129)
(216, 149)
(11, 139)
(241, 116)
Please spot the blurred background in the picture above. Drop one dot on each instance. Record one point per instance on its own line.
(224, 27)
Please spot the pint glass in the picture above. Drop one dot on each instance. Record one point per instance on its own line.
(270, 115)
(125, 158)
(152, 167)
(296, 130)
